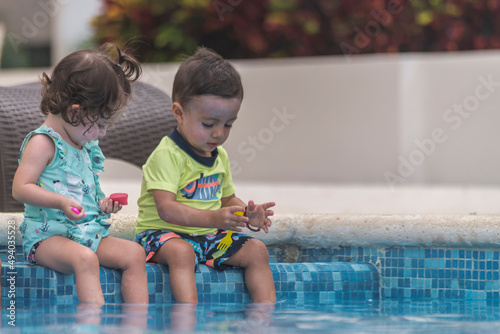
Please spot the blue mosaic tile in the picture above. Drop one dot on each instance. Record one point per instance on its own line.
(311, 278)
(342, 273)
(457, 273)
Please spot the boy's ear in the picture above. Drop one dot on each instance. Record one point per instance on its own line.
(178, 111)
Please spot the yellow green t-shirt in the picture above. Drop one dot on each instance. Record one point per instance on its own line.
(199, 182)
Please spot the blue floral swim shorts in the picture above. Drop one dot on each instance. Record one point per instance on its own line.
(205, 246)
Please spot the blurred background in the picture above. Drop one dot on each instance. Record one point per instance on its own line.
(382, 92)
(40, 32)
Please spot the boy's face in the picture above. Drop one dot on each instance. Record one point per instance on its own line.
(205, 122)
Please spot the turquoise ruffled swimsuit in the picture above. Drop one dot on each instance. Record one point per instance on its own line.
(73, 173)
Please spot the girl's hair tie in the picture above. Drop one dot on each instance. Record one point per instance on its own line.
(120, 58)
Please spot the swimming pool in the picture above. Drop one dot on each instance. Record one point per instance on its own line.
(436, 290)
(359, 273)
(287, 316)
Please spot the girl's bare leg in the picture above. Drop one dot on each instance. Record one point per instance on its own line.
(69, 257)
(129, 257)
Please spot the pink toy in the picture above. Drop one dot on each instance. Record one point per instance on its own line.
(120, 198)
(75, 210)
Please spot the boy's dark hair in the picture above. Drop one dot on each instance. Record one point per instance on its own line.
(206, 73)
(93, 80)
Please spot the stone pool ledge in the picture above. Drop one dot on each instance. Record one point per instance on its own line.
(329, 230)
(328, 256)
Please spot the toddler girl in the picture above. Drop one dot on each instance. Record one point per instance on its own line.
(64, 225)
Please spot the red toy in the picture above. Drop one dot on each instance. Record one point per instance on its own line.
(120, 198)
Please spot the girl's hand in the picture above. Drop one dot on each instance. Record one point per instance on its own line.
(258, 215)
(108, 206)
(228, 219)
(68, 205)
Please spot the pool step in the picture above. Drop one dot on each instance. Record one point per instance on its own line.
(326, 281)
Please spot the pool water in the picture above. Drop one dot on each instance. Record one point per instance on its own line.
(287, 316)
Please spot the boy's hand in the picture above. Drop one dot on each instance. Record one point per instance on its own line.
(108, 206)
(258, 215)
(230, 219)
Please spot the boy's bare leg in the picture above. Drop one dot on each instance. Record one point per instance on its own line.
(136, 316)
(179, 256)
(253, 257)
(183, 318)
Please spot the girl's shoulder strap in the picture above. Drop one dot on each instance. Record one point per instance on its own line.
(41, 130)
(48, 131)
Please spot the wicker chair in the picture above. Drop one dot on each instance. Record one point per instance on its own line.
(146, 120)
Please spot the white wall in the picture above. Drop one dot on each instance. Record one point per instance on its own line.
(71, 26)
(362, 121)
(450, 94)
(384, 119)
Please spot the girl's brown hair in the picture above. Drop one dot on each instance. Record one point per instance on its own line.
(98, 81)
(206, 73)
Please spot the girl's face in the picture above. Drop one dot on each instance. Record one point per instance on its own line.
(205, 122)
(83, 134)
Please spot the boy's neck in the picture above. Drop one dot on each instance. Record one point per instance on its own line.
(177, 138)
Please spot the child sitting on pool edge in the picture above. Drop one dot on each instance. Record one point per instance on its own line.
(188, 211)
(58, 175)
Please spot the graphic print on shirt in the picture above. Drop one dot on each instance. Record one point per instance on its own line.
(206, 188)
(75, 186)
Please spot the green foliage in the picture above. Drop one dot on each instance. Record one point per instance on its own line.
(166, 30)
